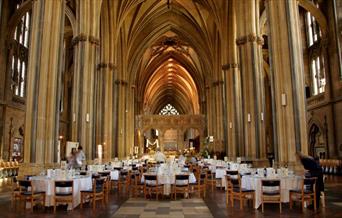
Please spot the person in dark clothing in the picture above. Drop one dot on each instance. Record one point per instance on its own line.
(314, 170)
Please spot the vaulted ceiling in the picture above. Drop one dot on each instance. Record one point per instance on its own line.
(170, 47)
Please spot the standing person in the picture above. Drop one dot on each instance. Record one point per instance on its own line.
(72, 158)
(80, 157)
(315, 170)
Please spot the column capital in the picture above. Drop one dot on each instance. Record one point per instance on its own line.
(217, 83)
(109, 65)
(228, 66)
(252, 37)
(121, 82)
(82, 37)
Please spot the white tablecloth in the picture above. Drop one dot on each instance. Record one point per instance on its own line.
(286, 184)
(48, 185)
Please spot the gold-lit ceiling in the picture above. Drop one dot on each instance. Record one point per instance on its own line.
(170, 49)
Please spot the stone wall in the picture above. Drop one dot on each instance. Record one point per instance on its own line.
(18, 119)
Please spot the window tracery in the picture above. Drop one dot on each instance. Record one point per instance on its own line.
(169, 110)
(315, 46)
(19, 49)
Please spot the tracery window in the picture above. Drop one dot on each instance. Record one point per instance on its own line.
(316, 57)
(19, 55)
(169, 110)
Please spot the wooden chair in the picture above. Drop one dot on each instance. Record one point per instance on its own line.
(96, 193)
(229, 189)
(211, 179)
(107, 185)
(239, 193)
(15, 191)
(270, 192)
(64, 196)
(124, 180)
(151, 186)
(137, 186)
(181, 185)
(28, 193)
(306, 193)
(201, 184)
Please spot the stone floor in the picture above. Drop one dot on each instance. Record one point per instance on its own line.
(185, 208)
(121, 206)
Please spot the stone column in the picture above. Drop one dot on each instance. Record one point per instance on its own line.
(232, 89)
(286, 65)
(44, 82)
(86, 48)
(122, 148)
(249, 46)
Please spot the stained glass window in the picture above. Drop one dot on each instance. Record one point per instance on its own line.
(169, 110)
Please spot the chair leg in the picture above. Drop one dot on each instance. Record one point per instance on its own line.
(81, 200)
(94, 202)
(262, 206)
(315, 207)
(54, 207)
(280, 206)
(241, 203)
(291, 201)
(31, 203)
(227, 198)
(253, 201)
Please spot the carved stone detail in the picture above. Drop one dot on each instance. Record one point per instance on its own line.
(250, 38)
(101, 65)
(229, 66)
(83, 37)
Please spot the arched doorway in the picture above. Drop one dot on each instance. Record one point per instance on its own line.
(192, 139)
(317, 144)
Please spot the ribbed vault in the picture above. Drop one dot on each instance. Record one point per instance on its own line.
(170, 52)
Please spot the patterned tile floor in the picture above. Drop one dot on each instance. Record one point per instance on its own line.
(185, 208)
(120, 205)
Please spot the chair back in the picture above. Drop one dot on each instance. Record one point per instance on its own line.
(25, 185)
(309, 184)
(270, 187)
(98, 184)
(95, 176)
(118, 168)
(104, 174)
(235, 182)
(151, 179)
(202, 178)
(83, 173)
(182, 179)
(270, 183)
(232, 172)
(64, 184)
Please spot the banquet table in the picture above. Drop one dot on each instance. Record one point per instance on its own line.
(168, 179)
(286, 184)
(43, 183)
